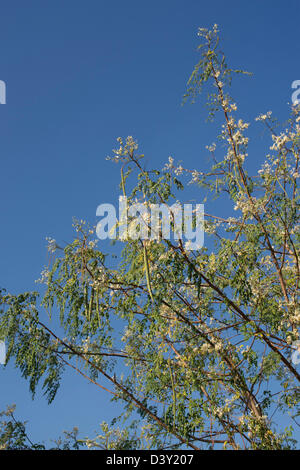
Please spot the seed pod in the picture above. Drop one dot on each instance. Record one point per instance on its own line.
(86, 302)
(91, 305)
(123, 182)
(174, 393)
(97, 307)
(146, 262)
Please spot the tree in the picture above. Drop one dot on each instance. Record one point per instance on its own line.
(208, 358)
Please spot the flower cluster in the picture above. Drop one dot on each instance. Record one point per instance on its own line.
(125, 149)
(264, 117)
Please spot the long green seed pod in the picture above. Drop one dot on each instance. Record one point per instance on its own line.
(91, 305)
(174, 394)
(97, 307)
(123, 182)
(146, 262)
(86, 302)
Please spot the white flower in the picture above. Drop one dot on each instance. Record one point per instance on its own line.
(178, 170)
(44, 276)
(211, 148)
(51, 244)
(92, 243)
(170, 165)
(279, 141)
(188, 245)
(263, 117)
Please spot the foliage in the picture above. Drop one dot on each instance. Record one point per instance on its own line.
(13, 435)
(196, 344)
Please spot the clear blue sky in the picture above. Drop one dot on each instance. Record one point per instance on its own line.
(78, 75)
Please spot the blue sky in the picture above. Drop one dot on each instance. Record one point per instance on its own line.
(80, 74)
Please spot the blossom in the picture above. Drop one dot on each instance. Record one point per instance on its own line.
(266, 169)
(44, 276)
(52, 246)
(211, 148)
(170, 164)
(178, 171)
(264, 117)
(279, 141)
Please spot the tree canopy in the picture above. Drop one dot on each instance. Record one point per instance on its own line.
(199, 346)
